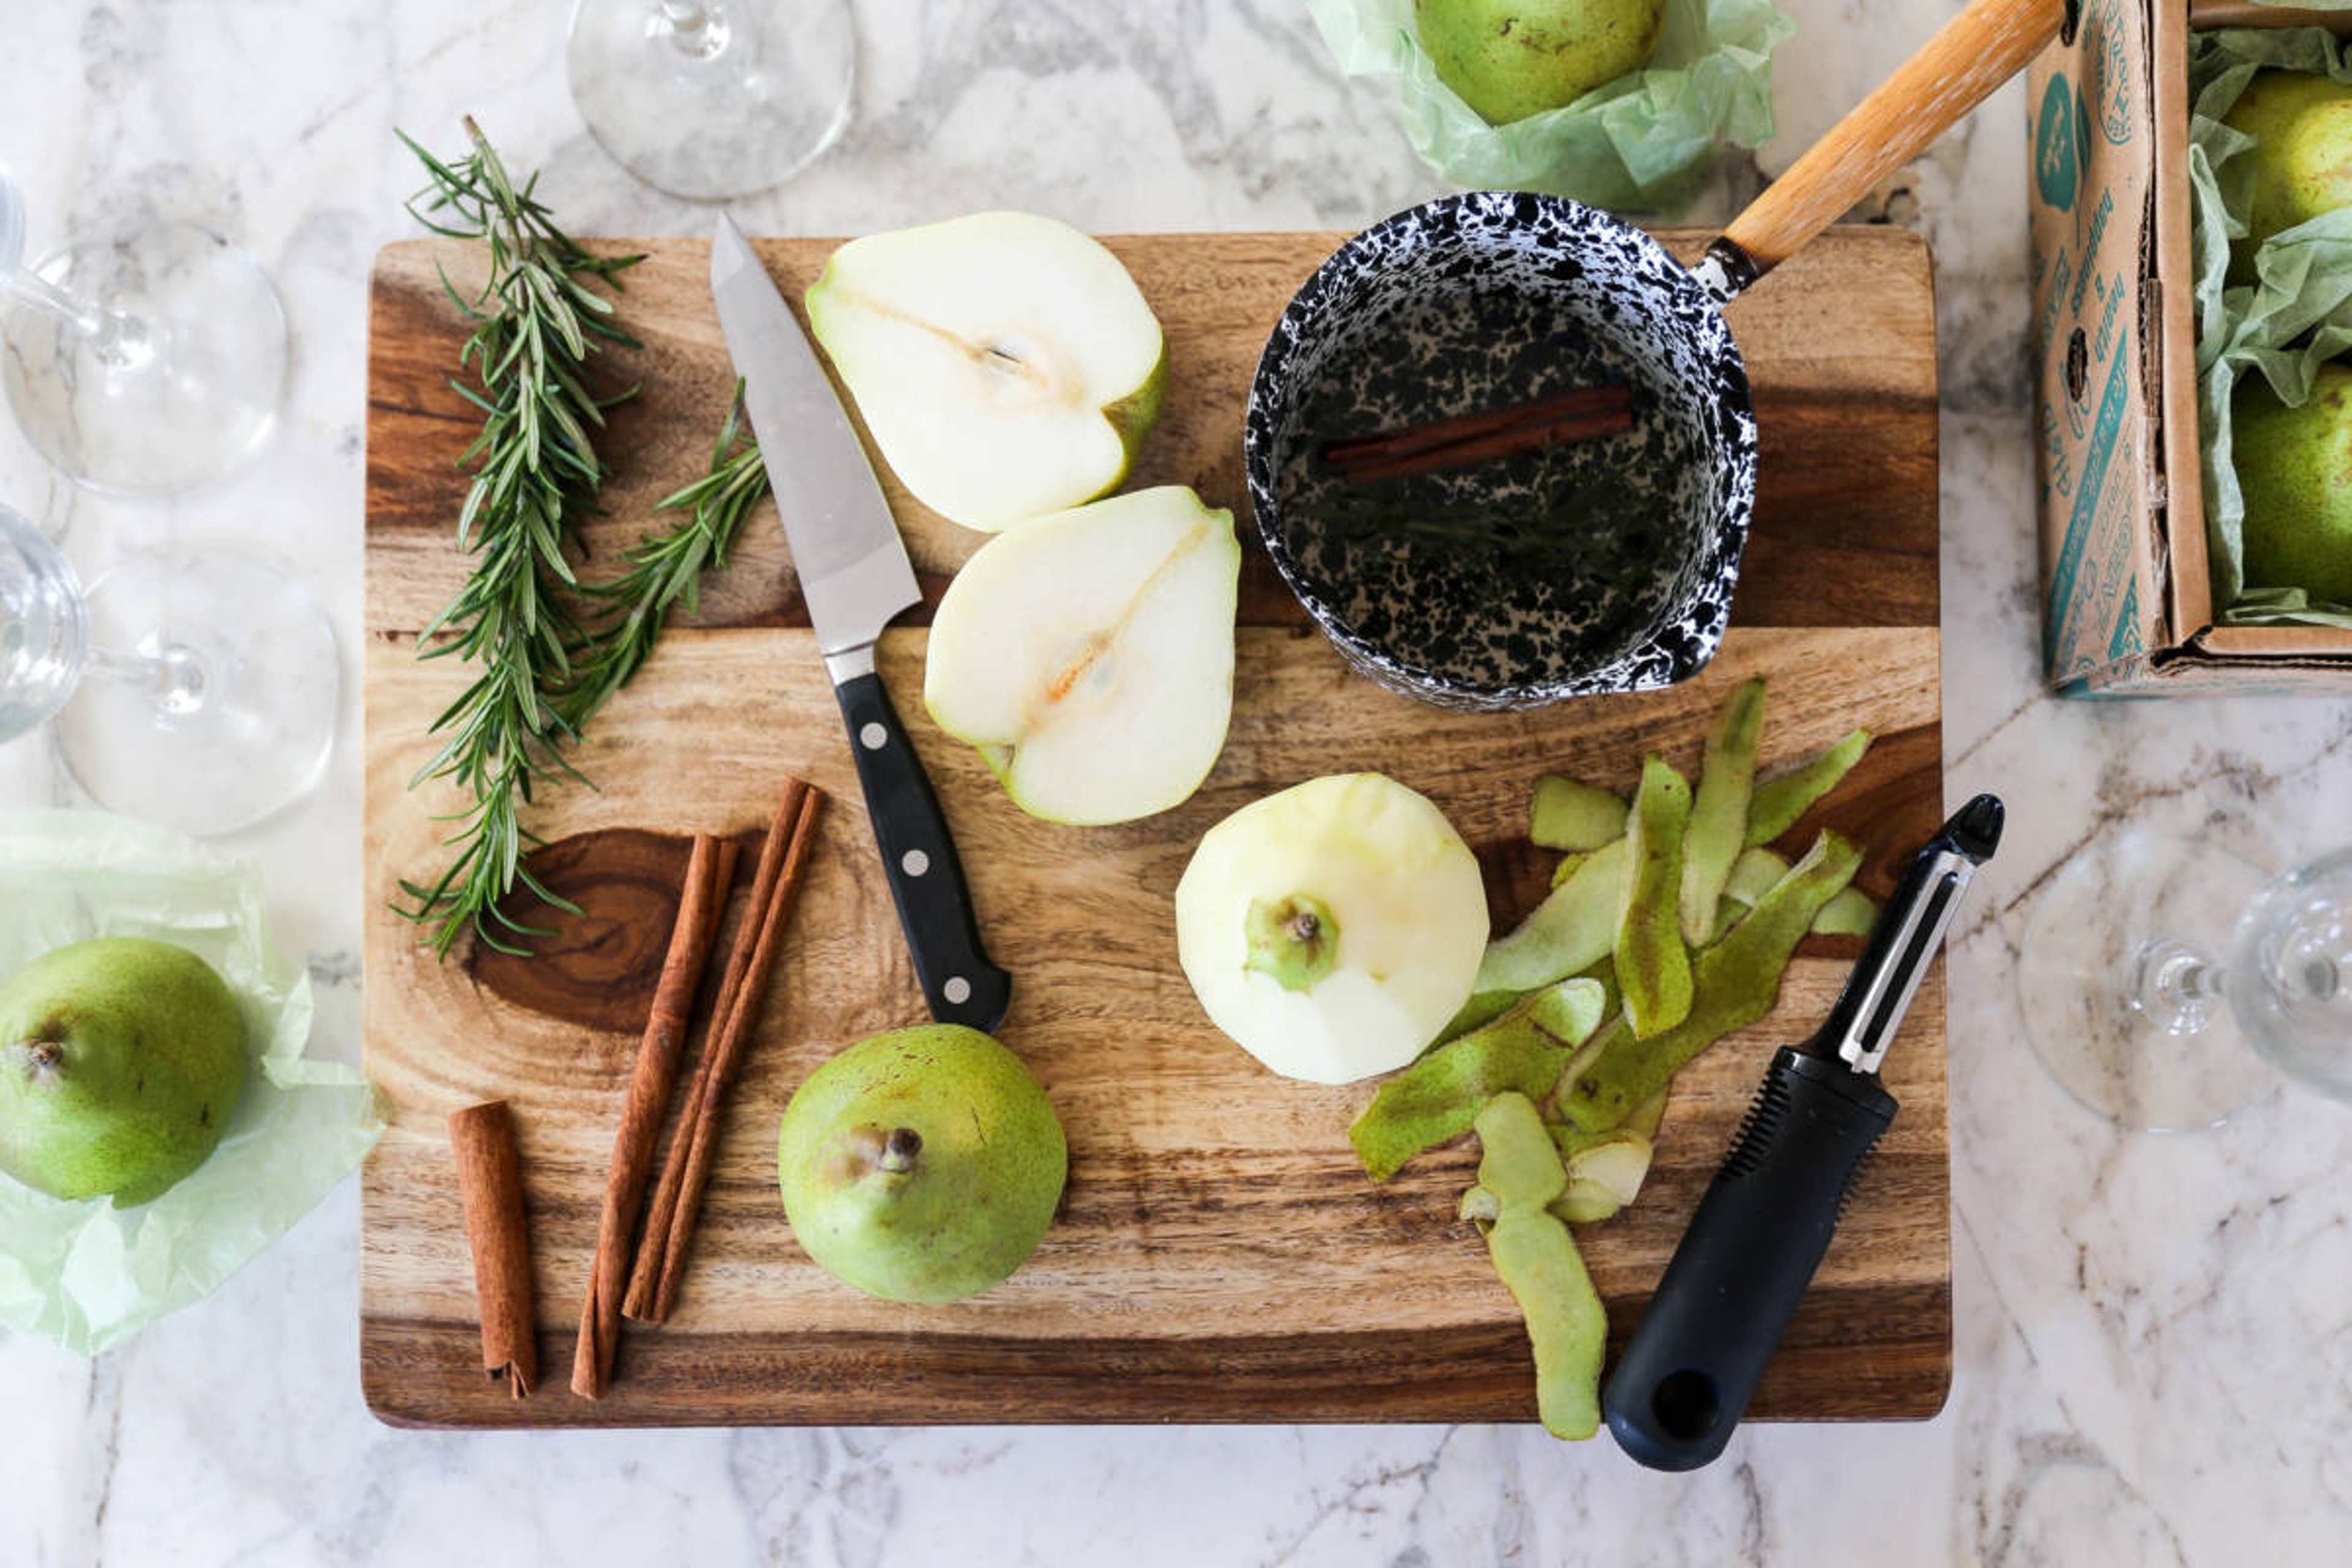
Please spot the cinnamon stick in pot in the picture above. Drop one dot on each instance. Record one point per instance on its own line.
(702, 903)
(489, 1183)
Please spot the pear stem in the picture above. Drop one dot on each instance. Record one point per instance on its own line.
(41, 1056)
(899, 1149)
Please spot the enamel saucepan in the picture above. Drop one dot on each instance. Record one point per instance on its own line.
(1497, 298)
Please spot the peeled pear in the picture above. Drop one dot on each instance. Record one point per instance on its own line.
(1089, 655)
(1006, 364)
(921, 1166)
(2294, 468)
(2302, 127)
(1511, 59)
(1334, 928)
(121, 1060)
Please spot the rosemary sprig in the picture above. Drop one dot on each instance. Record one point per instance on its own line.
(537, 325)
(666, 569)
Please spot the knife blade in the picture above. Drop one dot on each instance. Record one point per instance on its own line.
(855, 575)
(1765, 1222)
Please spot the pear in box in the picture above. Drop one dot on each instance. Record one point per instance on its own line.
(1006, 364)
(1089, 655)
(2294, 468)
(2302, 157)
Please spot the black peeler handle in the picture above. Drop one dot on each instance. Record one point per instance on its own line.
(1760, 1230)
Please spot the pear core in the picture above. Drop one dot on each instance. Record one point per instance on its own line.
(1294, 939)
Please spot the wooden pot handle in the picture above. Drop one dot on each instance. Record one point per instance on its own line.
(1977, 51)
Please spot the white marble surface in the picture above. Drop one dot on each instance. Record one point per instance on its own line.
(2152, 1358)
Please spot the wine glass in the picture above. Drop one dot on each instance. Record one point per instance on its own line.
(2160, 974)
(710, 101)
(195, 689)
(143, 360)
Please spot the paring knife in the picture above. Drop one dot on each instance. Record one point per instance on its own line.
(854, 574)
(1765, 1220)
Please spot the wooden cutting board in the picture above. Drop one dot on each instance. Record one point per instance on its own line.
(1220, 1254)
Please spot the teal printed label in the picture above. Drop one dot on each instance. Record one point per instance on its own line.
(2057, 163)
(2057, 462)
(2126, 640)
(2063, 612)
(2099, 217)
(2107, 95)
(2113, 290)
(2062, 275)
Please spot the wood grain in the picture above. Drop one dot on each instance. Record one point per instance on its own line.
(1220, 1255)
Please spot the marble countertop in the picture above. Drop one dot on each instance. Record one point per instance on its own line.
(2152, 1361)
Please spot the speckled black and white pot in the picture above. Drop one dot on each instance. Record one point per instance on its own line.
(1486, 300)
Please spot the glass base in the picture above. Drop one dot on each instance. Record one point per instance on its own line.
(2119, 981)
(191, 393)
(2291, 974)
(737, 104)
(248, 725)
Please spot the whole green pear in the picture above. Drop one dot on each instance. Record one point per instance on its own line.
(120, 1062)
(2302, 127)
(2295, 466)
(921, 1166)
(1511, 59)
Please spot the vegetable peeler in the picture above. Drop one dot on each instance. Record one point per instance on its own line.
(1766, 1220)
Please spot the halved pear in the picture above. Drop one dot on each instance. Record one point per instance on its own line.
(1089, 655)
(1005, 363)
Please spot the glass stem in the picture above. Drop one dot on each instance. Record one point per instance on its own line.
(693, 31)
(2177, 986)
(116, 339)
(173, 679)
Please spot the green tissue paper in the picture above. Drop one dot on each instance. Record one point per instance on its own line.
(1633, 144)
(88, 1275)
(2298, 316)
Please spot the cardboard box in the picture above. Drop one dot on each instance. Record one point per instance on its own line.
(2127, 602)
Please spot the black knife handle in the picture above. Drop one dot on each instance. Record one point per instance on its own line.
(919, 855)
(1733, 1284)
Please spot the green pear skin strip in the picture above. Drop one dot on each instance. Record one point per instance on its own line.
(1435, 1100)
(1521, 1175)
(1718, 821)
(1566, 814)
(1574, 928)
(1653, 965)
(1777, 802)
(1734, 983)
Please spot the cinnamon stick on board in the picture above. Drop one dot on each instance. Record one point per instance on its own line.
(709, 873)
(670, 1228)
(489, 1183)
(654, 1238)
